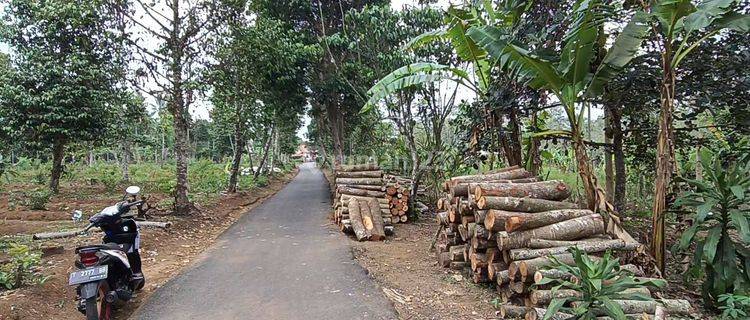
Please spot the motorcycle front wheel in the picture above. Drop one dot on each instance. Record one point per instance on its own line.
(97, 308)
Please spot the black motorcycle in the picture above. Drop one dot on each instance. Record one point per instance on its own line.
(109, 273)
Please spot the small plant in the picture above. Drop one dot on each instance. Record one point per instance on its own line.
(38, 199)
(721, 229)
(110, 178)
(22, 268)
(734, 306)
(599, 283)
(40, 176)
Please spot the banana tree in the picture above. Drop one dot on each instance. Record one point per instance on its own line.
(457, 22)
(570, 77)
(681, 26)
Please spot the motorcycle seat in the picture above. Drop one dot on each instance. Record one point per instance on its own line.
(107, 246)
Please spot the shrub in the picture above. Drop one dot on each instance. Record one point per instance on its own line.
(22, 268)
(38, 199)
(734, 306)
(207, 176)
(720, 230)
(599, 282)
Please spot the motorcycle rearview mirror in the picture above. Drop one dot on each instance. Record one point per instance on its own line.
(133, 190)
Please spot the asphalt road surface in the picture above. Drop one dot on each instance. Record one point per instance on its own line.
(279, 261)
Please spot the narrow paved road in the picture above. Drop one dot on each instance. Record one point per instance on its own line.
(279, 261)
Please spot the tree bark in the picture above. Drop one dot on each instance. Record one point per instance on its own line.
(237, 159)
(125, 160)
(619, 159)
(522, 204)
(265, 153)
(609, 170)
(464, 188)
(572, 229)
(526, 221)
(355, 218)
(547, 190)
(590, 247)
(359, 174)
(58, 154)
(502, 175)
(672, 306)
(363, 181)
(357, 169)
(360, 192)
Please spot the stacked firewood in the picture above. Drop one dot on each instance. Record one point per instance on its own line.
(502, 227)
(364, 184)
(397, 192)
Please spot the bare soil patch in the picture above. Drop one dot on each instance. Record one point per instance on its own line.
(423, 290)
(164, 252)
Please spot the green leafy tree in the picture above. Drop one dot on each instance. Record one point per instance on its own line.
(68, 65)
(681, 26)
(721, 227)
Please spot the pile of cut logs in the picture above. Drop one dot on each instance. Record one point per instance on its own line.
(360, 202)
(397, 192)
(502, 226)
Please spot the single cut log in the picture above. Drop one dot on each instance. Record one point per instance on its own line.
(364, 181)
(512, 312)
(538, 314)
(507, 175)
(361, 192)
(457, 253)
(378, 231)
(544, 297)
(358, 167)
(494, 268)
(367, 220)
(672, 306)
(470, 176)
(543, 244)
(359, 174)
(526, 221)
(557, 274)
(601, 246)
(362, 186)
(464, 189)
(355, 216)
(494, 220)
(502, 277)
(547, 190)
(522, 204)
(572, 229)
(527, 268)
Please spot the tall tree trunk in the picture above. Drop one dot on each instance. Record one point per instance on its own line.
(238, 149)
(664, 159)
(58, 154)
(179, 115)
(533, 158)
(125, 160)
(265, 153)
(163, 147)
(619, 158)
(609, 170)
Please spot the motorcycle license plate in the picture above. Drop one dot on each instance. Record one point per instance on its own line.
(88, 275)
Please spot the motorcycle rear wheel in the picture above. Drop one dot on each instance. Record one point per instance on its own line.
(97, 308)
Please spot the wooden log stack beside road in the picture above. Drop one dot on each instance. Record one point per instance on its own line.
(502, 227)
(360, 203)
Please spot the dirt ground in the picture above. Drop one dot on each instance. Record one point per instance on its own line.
(164, 252)
(408, 273)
